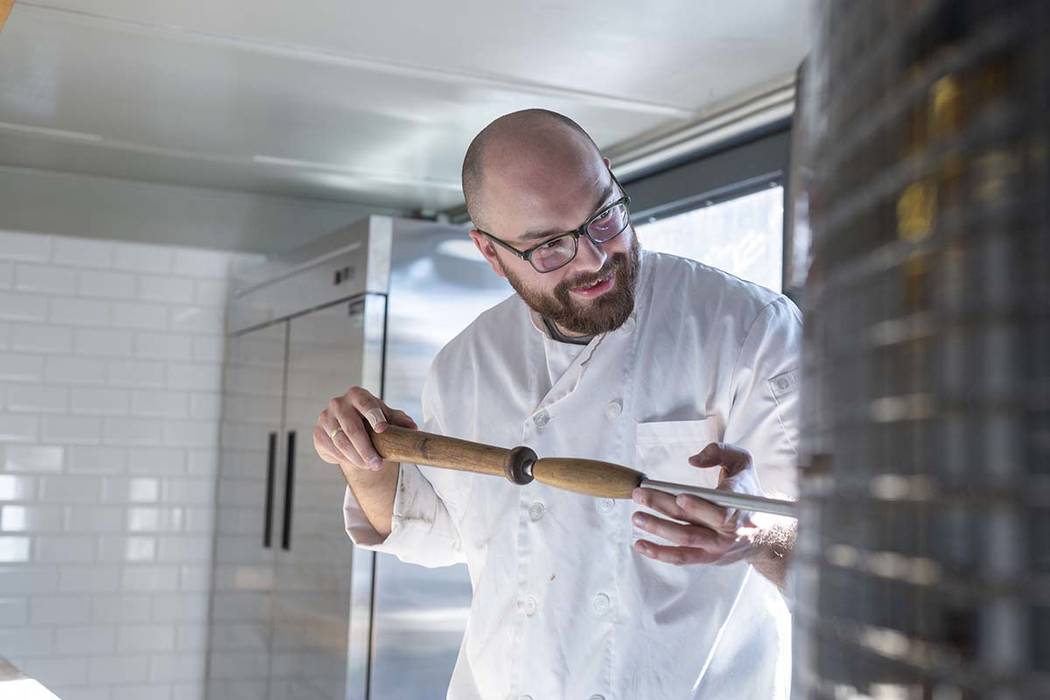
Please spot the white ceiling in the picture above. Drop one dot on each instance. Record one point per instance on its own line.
(359, 101)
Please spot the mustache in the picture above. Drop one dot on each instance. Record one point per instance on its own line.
(587, 280)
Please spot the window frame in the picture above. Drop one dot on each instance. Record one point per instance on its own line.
(734, 169)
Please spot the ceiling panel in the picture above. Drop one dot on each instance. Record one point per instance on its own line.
(675, 52)
(367, 102)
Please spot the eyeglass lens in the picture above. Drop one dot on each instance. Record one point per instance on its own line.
(561, 250)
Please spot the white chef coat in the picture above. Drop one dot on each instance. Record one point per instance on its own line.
(562, 606)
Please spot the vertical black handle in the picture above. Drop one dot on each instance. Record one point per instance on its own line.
(271, 468)
(289, 484)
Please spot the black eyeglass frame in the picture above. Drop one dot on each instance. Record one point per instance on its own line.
(526, 254)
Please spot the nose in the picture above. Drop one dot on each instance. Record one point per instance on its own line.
(589, 256)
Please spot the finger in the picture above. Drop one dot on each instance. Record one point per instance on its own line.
(659, 501)
(341, 445)
(732, 458)
(354, 430)
(677, 556)
(373, 410)
(677, 533)
(338, 448)
(400, 418)
(702, 512)
(324, 447)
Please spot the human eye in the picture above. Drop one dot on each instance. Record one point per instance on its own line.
(607, 218)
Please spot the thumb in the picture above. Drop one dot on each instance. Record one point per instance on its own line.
(710, 456)
(401, 419)
(732, 458)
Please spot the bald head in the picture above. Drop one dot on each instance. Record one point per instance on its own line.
(524, 153)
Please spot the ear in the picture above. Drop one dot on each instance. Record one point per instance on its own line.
(488, 250)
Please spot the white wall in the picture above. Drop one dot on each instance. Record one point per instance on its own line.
(110, 372)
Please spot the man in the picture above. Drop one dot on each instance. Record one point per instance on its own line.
(610, 353)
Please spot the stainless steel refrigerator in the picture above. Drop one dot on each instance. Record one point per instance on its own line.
(296, 610)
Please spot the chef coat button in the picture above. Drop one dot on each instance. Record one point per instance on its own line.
(525, 697)
(613, 409)
(542, 418)
(605, 505)
(528, 606)
(601, 604)
(596, 696)
(536, 511)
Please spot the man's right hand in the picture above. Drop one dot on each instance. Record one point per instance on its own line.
(340, 436)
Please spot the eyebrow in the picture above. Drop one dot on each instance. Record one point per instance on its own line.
(535, 235)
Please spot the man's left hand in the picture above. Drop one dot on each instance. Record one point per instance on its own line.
(701, 532)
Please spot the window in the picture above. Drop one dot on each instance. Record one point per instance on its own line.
(743, 236)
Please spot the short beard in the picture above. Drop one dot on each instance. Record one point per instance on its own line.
(605, 313)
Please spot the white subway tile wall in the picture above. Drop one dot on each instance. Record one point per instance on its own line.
(110, 381)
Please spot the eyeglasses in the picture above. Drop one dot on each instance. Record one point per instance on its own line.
(608, 223)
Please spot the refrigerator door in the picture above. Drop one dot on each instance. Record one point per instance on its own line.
(245, 527)
(439, 283)
(319, 642)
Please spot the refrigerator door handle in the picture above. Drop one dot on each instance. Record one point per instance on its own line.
(289, 483)
(271, 468)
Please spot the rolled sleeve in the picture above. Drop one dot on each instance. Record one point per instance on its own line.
(421, 529)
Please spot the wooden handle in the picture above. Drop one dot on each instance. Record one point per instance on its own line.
(5, 10)
(519, 465)
(397, 444)
(587, 476)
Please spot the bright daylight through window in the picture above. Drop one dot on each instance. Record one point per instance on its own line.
(743, 236)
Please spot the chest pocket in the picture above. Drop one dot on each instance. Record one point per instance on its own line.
(663, 449)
